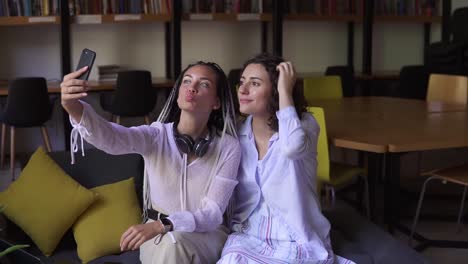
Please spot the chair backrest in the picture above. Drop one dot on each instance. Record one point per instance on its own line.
(346, 74)
(413, 82)
(448, 88)
(322, 87)
(234, 78)
(458, 24)
(134, 95)
(27, 103)
(323, 159)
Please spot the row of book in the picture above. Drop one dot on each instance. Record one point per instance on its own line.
(109, 72)
(86, 7)
(324, 7)
(227, 6)
(77, 7)
(315, 7)
(408, 7)
(29, 7)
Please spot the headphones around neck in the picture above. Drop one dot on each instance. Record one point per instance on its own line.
(187, 145)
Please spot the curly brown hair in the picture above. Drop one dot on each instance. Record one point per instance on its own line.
(270, 62)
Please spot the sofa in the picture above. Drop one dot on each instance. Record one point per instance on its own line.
(353, 236)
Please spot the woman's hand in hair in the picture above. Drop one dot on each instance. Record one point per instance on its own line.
(136, 235)
(286, 81)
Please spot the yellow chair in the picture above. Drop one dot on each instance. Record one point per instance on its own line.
(333, 175)
(447, 89)
(322, 87)
(452, 89)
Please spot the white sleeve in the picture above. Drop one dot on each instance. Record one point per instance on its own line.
(110, 137)
(297, 137)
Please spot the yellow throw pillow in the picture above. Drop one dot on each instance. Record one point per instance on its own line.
(98, 230)
(45, 201)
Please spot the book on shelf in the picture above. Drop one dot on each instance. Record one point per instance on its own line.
(227, 6)
(109, 72)
(29, 8)
(408, 8)
(324, 7)
(104, 7)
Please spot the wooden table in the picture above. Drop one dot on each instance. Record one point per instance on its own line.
(96, 86)
(376, 124)
(387, 128)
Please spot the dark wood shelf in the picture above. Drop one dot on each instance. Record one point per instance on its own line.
(227, 17)
(378, 75)
(314, 17)
(408, 19)
(53, 87)
(29, 20)
(120, 18)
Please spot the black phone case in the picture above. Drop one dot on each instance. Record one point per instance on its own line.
(86, 59)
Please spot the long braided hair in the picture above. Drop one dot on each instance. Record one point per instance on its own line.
(222, 121)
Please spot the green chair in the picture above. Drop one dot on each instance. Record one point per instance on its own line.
(333, 175)
(322, 87)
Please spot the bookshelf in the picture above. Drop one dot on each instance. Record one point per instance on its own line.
(367, 13)
(265, 12)
(330, 10)
(332, 18)
(40, 12)
(238, 17)
(235, 11)
(424, 13)
(271, 17)
(29, 20)
(120, 18)
(408, 19)
(333, 11)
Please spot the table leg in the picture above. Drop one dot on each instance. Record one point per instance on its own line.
(392, 190)
(374, 169)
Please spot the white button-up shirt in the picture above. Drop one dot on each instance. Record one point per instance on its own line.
(286, 179)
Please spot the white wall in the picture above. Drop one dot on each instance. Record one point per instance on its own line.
(314, 45)
(35, 50)
(135, 46)
(30, 51)
(226, 43)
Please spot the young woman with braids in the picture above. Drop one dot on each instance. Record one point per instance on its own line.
(277, 217)
(191, 159)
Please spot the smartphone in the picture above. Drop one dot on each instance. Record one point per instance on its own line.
(86, 59)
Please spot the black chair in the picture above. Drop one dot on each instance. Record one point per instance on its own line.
(134, 96)
(413, 82)
(346, 74)
(234, 78)
(451, 57)
(27, 105)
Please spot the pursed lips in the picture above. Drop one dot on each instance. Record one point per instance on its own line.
(189, 97)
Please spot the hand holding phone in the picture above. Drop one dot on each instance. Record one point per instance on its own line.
(74, 86)
(86, 59)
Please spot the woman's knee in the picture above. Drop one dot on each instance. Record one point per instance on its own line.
(188, 248)
(167, 251)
